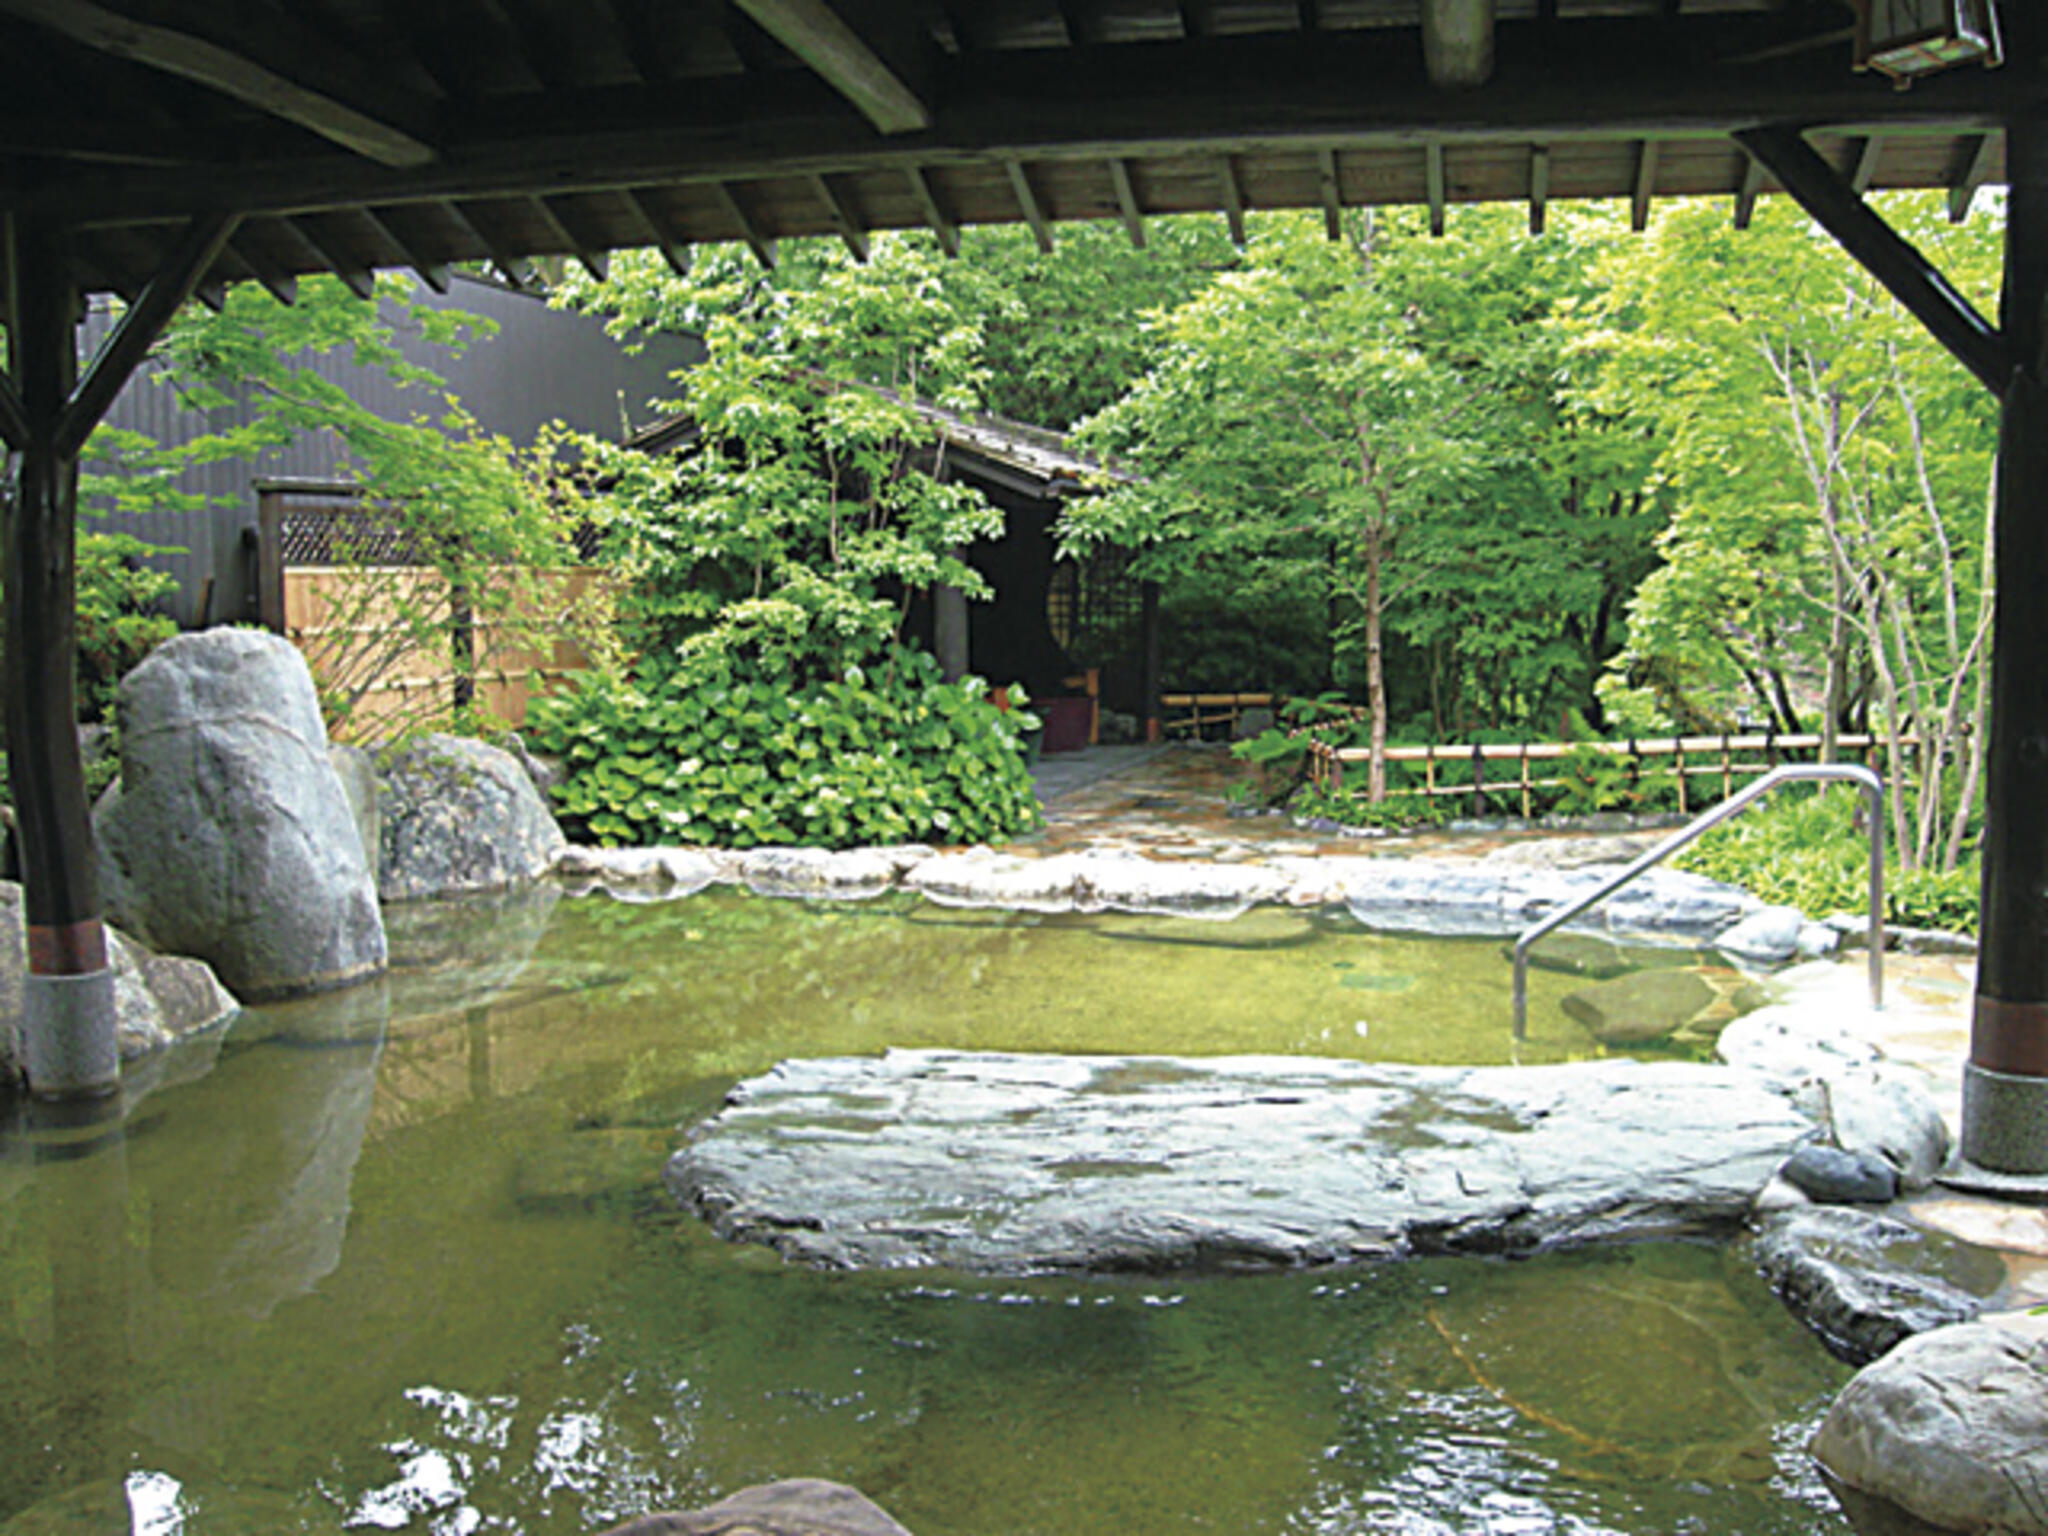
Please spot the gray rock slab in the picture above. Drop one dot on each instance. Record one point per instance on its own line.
(159, 999)
(229, 837)
(1015, 1163)
(638, 874)
(1863, 1281)
(459, 816)
(1886, 1109)
(1485, 898)
(1952, 1427)
(803, 1506)
(830, 874)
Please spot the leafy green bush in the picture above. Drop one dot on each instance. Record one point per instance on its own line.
(116, 625)
(1806, 850)
(753, 738)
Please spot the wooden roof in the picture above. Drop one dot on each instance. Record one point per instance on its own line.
(352, 135)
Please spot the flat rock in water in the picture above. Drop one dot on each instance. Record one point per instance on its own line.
(1014, 1163)
(801, 1506)
(1651, 1005)
(1863, 1282)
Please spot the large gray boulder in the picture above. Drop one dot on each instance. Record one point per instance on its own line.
(229, 836)
(459, 816)
(158, 998)
(1952, 1428)
(1017, 1163)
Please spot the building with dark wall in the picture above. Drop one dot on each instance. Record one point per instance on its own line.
(542, 365)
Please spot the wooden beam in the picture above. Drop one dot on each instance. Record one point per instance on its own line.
(1127, 202)
(184, 265)
(1198, 18)
(942, 225)
(1976, 171)
(1457, 42)
(1233, 200)
(1028, 204)
(1645, 188)
(359, 279)
(844, 60)
(1913, 280)
(844, 224)
(563, 222)
(1539, 187)
(435, 274)
(1244, 94)
(1868, 153)
(263, 58)
(13, 420)
(278, 283)
(675, 250)
(1746, 195)
(1332, 189)
(762, 247)
(1433, 177)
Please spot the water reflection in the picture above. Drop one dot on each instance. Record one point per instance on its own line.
(400, 1259)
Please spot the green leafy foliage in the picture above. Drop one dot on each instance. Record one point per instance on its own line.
(766, 732)
(1810, 851)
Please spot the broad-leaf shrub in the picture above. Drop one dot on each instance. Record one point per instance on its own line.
(764, 732)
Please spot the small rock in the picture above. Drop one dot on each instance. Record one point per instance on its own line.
(798, 1507)
(1835, 1177)
(1951, 1427)
(1769, 936)
(1862, 1281)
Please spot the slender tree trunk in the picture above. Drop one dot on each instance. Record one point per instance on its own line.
(1375, 673)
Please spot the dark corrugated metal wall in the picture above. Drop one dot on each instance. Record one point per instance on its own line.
(542, 365)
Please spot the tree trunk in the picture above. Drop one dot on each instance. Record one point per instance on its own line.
(1375, 673)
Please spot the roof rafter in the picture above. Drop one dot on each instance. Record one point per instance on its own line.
(942, 224)
(1975, 173)
(1332, 189)
(563, 222)
(675, 250)
(1539, 187)
(359, 279)
(262, 58)
(1233, 199)
(849, 229)
(434, 274)
(1646, 185)
(1127, 202)
(857, 66)
(1433, 176)
(757, 242)
(278, 283)
(1029, 205)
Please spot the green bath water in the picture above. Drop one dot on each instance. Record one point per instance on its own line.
(401, 1259)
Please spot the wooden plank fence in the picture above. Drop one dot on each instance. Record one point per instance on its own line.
(1478, 769)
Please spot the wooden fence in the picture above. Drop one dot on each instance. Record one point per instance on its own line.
(1190, 714)
(387, 637)
(1480, 769)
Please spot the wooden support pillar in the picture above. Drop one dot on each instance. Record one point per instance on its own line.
(2005, 1084)
(69, 1041)
(1148, 626)
(68, 1027)
(950, 630)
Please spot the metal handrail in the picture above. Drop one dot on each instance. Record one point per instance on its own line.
(1873, 792)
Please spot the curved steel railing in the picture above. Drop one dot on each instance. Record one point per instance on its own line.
(1873, 793)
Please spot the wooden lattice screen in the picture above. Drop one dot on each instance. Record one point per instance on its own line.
(1095, 606)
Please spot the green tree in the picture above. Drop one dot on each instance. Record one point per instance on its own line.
(1829, 467)
(766, 572)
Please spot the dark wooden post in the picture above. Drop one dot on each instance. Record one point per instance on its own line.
(69, 1032)
(1155, 673)
(2005, 1083)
